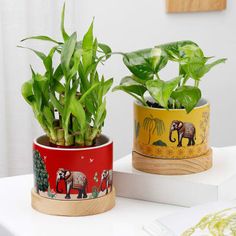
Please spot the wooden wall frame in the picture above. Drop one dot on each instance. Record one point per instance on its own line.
(175, 6)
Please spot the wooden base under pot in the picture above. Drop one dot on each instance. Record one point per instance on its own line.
(73, 208)
(172, 166)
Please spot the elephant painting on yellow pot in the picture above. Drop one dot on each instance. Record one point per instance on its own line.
(172, 133)
(184, 130)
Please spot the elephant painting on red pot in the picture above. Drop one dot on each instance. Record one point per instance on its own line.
(106, 180)
(73, 180)
(184, 130)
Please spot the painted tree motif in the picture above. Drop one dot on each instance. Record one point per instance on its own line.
(204, 126)
(95, 192)
(40, 172)
(152, 125)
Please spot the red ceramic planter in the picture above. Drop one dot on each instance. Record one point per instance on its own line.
(72, 173)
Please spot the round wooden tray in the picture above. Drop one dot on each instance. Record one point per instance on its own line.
(172, 166)
(73, 208)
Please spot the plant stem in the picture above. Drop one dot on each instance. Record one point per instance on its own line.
(173, 105)
(158, 76)
(142, 100)
(196, 83)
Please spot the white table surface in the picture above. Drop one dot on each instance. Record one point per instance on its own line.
(17, 218)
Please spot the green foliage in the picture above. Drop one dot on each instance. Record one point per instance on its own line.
(68, 98)
(146, 64)
(161, 90)
(40, 172)
(188, 96)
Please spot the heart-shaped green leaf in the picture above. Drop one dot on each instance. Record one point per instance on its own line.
(129, 85)
(161, 90)
(188, 96)
(145, 63)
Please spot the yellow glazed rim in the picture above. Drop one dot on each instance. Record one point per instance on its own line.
(199, 106)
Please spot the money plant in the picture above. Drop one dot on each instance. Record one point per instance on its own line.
(68, 98)
(146, 65)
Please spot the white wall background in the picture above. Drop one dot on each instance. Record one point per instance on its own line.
(126, 25)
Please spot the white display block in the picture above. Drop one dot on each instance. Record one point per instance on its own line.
(218, 183)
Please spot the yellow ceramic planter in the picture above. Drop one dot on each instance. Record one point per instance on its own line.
(171, 134)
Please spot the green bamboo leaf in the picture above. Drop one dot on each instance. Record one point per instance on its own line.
(69, 96)
(48, 62)
(77, 110)
(58, 87)
(41, 55)
(76, 60)
(41, 37)
(87, 45)
(107, 85)
(88, 92)
(58, 74)
(38, 95)
(63, 32)
(42, 83)
(161, 90)
(100, 114)
(49, 115)
(67, 52)
(27, 92)
(56, 103)
(188, 96)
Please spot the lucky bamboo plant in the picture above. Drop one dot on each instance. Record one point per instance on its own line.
(146, 64)
(69, 101)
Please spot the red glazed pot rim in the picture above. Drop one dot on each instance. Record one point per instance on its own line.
(44, 138)
(202, 103)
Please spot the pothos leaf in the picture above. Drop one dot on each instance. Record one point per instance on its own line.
(145, 63)
(188, 96)
(161, 90)
(130, 86)
(173, 49)
(207, 67)
(106, 49)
